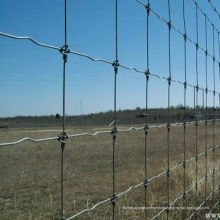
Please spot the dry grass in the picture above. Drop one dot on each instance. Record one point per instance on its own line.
(30, 173)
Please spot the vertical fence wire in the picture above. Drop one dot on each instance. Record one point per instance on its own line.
(219, 70)
(196, 108)
(219, 108)
(184, 112)
(147, 74)
(168, 112)
(213, 121)
(62, 189)
(206, 107)
(204, 93)
(214, 8)
(64, 50)
(63, 145)
(204, 148)
(114, 131)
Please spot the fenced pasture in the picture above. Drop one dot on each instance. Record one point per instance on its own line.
(169, 169)
(30, 178)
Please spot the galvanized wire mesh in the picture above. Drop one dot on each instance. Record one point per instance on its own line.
(211, 197)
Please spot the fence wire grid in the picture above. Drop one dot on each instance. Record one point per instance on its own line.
(211, 165)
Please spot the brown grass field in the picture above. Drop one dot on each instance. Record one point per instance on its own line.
(30, 173)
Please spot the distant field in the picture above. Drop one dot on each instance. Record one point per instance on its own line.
(30, 172)
(125, 117)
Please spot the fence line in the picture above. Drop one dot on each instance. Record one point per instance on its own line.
(177, 124)
(203, 203)
(180, 32)
(147, 182)
(184, 126)
(179, 197)
(65, 51)
(141, 184)
(214, 8)
(29, 38)
(146, 128)
(119, 65)
(112, 63)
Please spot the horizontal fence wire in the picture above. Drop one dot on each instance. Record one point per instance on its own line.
(214, 8)
(181, 196)
(142, 184)
(30, 39)
(89, 209)
(183, 34)
(213, 207)
(177, 124)
(205, 15)
(203, 203)
(65, 50)
(110, 62)
(149, 181)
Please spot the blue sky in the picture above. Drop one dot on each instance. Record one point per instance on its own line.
(31, 76)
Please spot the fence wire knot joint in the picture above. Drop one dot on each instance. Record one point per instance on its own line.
(148, 8)
(146, 128)
(184, 195)
(184, 164)
(113, 199)
(146, 181)
(185, 36)
(64, 50)
(197, 157)
(115, 64)
(168, 209)
(213, 59)
(168, 172)
(196, 185)
(147, 74)
(114, 132)
(62, 137)
(169, 25)
(169, 79)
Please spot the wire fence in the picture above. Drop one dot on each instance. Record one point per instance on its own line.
(210, 162)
